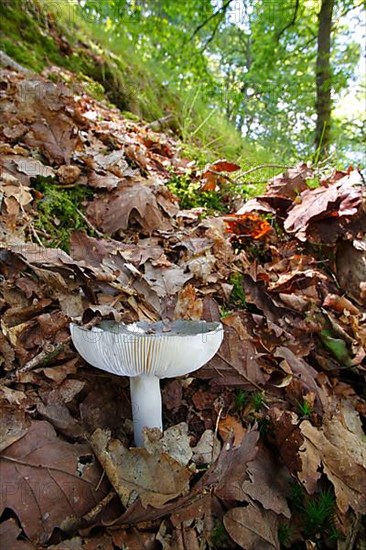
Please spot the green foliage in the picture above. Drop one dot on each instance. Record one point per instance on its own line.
(59, 213)
(297, 495)
(258, 399)
(240, 399)
(237, 297)
(284, 534)
(336, 346)
(232, 76)
(219, 537)
(191, 197)
(304, 409)
(318, 513)
(20, 27)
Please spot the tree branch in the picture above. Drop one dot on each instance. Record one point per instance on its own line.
(290, 23)
(221, 10)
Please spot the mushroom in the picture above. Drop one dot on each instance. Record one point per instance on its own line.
(147, 352)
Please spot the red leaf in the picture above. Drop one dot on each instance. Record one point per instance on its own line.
(223, 165)
(247, 225)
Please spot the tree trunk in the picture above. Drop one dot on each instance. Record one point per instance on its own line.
(323, 80)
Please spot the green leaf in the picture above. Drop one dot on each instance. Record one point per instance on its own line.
(337, 347)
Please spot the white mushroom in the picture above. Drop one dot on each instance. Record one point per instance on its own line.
(147, 352)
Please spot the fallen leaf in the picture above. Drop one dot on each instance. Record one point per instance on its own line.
(207, 449)
(9, 533)
(342, 198)
(14, 423)
(175, 441)
(48, 482)
(223, 165)
(339, 304)
(129, 202)
(231, 428)
(252, 527)
(155, 478)
(351, 267)
(247, 225)
(339, 448)
(188, 305)
(268, 482)
(167, 281)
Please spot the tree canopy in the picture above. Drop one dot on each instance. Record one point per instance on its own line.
(257, 62)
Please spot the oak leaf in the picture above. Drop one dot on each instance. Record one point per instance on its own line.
(48, 482)
(156, 478)
(252, 527)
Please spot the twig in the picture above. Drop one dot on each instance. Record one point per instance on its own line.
(221, 10)
(88, 223)
(261, 167)
(7, 61)
(42, 358)
(94, 512)
(290, 23)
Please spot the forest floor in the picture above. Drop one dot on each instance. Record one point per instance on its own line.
(264, 446)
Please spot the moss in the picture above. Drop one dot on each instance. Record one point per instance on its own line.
(187, 190)
(58, 213)
(237, 297)
(25, 36)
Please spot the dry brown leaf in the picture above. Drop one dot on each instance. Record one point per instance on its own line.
(230, 469)
(289, 184)
(160, 478)
(48, 482)
(268, 482)
(130, 202)
(351, 267)
(166, 281)
(9, 533)
(252, 527)
(340, 449)
(338, 200)
(231, 428)
(55, 136)
(14, 423)
(188, 305)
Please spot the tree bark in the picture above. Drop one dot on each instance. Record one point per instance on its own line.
(324, 80)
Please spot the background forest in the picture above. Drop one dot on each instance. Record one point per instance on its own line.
(257, 82)
(286, 74)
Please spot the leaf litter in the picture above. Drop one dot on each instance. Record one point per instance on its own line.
(256, 438)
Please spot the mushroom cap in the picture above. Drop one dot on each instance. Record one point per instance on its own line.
(145, 348)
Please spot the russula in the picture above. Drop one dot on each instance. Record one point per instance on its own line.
(147, 352)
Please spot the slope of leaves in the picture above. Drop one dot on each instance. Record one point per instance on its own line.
(284, 465)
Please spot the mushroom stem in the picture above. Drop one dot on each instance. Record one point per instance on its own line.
(146, 405)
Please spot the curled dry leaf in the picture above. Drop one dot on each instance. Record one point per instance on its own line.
(341, 199)
(231, 428)
(175, 441)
